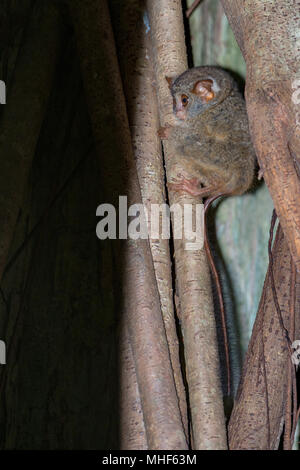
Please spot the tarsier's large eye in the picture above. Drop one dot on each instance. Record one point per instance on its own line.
(184, 100)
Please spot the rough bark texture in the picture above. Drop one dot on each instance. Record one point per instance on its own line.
(192, 272)
(21, 123)
(259, 411)
(141, 301)
(267, 33)
(136, 63)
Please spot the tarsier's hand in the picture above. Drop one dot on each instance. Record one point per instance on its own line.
(164, 132)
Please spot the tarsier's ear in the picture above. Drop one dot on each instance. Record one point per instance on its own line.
(203, 89)
(170, 81)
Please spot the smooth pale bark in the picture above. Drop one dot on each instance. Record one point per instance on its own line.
(141, 306)
(268, 34)
(192, 271)
(23, 114)
(132, 433)
(136, 63)
(259, 410)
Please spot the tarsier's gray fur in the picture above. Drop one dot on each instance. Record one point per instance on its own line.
(214, 138)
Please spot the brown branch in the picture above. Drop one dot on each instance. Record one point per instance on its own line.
(136, 63)
(288, 333)
(293, 425)
(258, 414)
(192, 271)
(284, 330)
(23, 114)
(267, 34)
(192, 8)
(132, 427)
(291, 376)
(141, 309)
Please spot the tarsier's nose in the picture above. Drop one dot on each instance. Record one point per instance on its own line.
(181, 114)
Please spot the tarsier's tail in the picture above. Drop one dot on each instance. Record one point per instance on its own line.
(207, 204)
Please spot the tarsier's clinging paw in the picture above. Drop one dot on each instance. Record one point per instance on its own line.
(190, 186)
(193, 187)
(164, 132)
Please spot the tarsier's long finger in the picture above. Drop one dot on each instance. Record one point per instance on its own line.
(185, 185)
(192, 187)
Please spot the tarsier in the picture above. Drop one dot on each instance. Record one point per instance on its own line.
(211, 138)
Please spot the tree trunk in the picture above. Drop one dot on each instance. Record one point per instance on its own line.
(258, 415)
(141, 300)
(267, 35)
(192, 272)
(136, 63)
